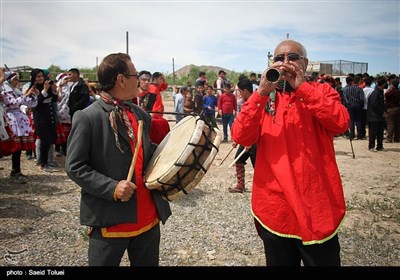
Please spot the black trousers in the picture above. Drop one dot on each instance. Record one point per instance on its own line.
(355, 112)
(376, 131)
(16, 162)
(249, 154)
(282, 251)
(143, 250)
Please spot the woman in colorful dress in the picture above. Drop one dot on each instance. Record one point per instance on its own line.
(18, 121)
(7, 143)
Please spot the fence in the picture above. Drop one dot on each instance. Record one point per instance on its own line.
(337, 67)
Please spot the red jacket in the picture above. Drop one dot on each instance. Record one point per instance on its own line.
(297, 190)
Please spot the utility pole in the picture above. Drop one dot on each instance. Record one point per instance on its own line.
(127, 42)
(173, 71)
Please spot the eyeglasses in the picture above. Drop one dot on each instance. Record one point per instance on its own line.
(290, 56)
(132, 75)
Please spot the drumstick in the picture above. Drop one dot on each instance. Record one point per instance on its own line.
(135, 155)
(237, 158)
(233, 147)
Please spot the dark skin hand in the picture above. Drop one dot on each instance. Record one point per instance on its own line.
(291, 71)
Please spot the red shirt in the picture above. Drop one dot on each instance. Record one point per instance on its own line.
(227, 103)
(297, 190)
(158, 104)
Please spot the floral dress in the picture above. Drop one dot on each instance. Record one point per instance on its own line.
(18, 120)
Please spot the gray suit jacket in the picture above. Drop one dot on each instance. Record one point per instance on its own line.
(96, 164)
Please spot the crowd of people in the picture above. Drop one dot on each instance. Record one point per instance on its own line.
(36, 117)
(373, 104)
(286, 127)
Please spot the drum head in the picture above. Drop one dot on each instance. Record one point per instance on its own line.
(173, 149)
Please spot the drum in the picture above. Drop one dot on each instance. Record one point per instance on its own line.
(182, 158)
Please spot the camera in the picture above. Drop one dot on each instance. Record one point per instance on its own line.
(50, 81)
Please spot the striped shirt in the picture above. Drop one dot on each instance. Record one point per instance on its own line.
(353, 95)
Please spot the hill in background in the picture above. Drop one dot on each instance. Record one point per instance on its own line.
(184, 71)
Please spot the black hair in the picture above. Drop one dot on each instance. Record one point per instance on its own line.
(34, 73)
(245, 83)
(381, 81)
(200, 83)
(357, 79)
(156, 75)
(368, 80)
(242, 76)
(144, 72)
(74, 70)
(349, 80)
(395, 82)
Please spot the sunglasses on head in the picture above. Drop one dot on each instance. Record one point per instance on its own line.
(290, 56)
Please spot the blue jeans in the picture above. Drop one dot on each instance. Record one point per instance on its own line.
(227, 119)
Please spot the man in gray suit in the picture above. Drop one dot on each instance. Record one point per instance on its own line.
(122, 214)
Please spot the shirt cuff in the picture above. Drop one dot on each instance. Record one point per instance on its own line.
(44, 93)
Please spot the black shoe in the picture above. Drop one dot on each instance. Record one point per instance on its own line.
(48, 169)
(53, 164)
(18, 178)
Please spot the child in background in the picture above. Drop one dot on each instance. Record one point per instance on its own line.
(210, 102)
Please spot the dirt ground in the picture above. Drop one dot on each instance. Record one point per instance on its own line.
(44, 213)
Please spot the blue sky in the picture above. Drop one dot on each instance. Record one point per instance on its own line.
(236, 35)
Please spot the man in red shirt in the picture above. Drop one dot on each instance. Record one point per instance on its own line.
(297, 195)
(227, 109)
(151, 101)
